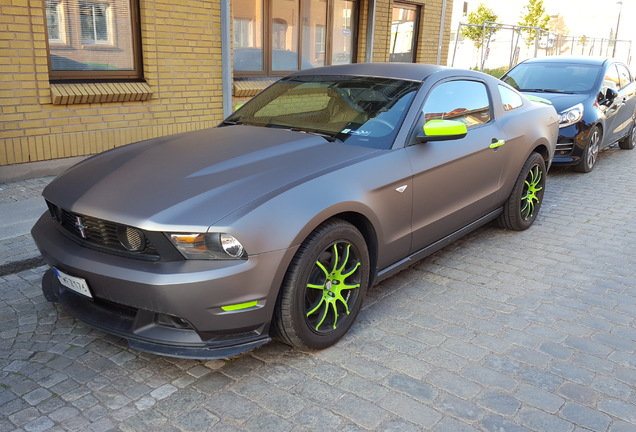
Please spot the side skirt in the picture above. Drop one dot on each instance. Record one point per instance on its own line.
(434, 247)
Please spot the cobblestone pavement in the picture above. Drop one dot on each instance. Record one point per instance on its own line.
(500, 331)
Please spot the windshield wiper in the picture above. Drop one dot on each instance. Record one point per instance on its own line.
(231, 122)
(545, 91)
(329, 137)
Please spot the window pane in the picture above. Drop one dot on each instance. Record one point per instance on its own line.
(343, 31)
(285, 35)
(402, 44)
(510, 98)
(365, 111)
(248, 35)
(624, 75)
(99, 35)
(314, 23)
(465, 101)
(53, 16)
(94, 22)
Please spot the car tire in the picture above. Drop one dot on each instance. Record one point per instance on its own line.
(522, 207)
(324, 287)
(590, 154)
(629, 142)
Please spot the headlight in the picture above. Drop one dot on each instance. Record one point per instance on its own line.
(571, 115)
(210, 246)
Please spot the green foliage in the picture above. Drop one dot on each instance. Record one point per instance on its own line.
(479, 17)
(496, 72)
(534, 16)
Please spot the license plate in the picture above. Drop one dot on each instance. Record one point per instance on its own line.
(76, 284)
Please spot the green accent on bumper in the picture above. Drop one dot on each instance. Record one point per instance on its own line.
(239, 306)
(333, 287)
(444, 128)
(538, 99)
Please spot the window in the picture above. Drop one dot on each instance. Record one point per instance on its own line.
(364, 111)
(465, 101)
(611, 79)
(274, 37)
(403, 33)
(91, 40)
(624, 75)
(510, 98)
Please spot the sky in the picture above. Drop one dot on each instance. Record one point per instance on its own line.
(591, 18)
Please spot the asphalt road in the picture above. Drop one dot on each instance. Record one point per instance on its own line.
(500, 331)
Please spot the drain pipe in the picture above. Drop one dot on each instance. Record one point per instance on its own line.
(442, 24)
(226, 58)
(368, 58)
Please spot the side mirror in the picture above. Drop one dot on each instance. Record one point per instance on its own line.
(442, 130)
(609, 97)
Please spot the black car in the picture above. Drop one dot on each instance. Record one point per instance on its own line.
(595, 99)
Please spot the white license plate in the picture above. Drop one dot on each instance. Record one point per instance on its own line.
(78, 285)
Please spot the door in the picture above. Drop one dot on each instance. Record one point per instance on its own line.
(626, 102)
(456, 182)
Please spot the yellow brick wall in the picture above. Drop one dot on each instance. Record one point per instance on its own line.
(182, 65)
(181, 45)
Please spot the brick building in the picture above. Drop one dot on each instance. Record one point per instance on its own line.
(79, 77)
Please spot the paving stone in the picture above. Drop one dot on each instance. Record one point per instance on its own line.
(499, 331)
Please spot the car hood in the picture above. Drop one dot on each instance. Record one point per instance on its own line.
(561, 101)
(189, 181)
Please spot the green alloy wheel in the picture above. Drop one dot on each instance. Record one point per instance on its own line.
(522, 207)
(324, 287)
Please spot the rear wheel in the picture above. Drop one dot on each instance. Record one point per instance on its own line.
(629, 142)
(524, 202)
(590, 154)
(324, 287)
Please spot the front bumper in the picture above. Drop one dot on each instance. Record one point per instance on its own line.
(168, 308)
(570, 146)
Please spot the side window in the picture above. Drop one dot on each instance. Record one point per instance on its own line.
(462, 100)
(510, 98)
(624, 75)
(611, 79)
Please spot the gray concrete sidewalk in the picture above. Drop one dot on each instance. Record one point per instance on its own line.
(21, 204)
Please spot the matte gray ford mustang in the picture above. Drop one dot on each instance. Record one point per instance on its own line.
(277, 221)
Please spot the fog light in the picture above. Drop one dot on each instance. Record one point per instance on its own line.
(131, 238)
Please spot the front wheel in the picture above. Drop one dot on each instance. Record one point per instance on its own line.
(629, 142)
(590, 154)
(323, 290)
(523, 205)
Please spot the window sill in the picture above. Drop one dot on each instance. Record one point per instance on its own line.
(80, 93)
(251, 87)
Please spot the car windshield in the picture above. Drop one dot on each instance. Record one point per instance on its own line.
(364, 111)
(553, 77)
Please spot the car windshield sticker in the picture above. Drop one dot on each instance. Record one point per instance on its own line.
(359, 132)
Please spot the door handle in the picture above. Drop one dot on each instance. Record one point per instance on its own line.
(497, 143)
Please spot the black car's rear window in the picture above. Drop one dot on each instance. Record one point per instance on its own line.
(554, 77)
(365, 111)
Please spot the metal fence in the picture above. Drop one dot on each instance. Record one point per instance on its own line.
(502, 46)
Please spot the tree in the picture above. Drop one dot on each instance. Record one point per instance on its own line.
(535, 16)
(479, 17)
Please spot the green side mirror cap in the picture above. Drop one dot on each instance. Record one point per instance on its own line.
(443, 130)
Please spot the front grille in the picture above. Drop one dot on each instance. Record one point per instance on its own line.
(101, 234)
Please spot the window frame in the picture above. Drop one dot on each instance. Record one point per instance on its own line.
(65, 76)
(416, 29)
(267, 44)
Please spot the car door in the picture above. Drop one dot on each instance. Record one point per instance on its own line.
(456, 182)
(610, 108)
(625, 102)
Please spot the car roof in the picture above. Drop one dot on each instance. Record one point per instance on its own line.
(407, 71)
(570, 60)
